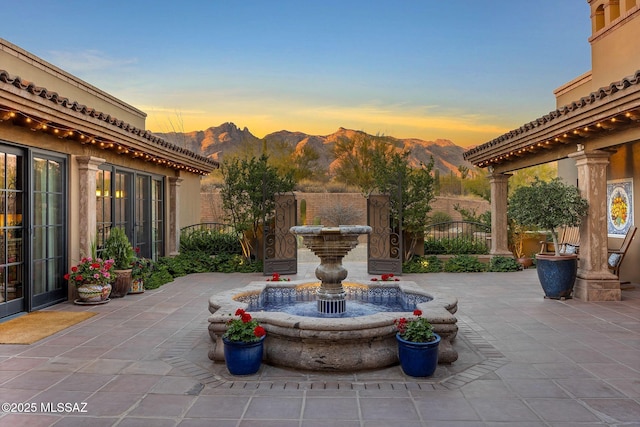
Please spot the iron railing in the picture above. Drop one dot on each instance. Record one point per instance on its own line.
(208, 226)
(457, 237)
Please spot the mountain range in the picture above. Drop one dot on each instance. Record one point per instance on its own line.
(215, 141)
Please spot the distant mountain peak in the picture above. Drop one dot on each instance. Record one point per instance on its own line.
(227, 137)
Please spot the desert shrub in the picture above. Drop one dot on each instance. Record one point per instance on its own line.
(439, 217)
(417, 264)
(455, 246)
(335, 214)
(503, 264)
(464, 264)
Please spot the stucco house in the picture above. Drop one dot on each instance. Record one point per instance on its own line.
(74, 162)
(594, 134)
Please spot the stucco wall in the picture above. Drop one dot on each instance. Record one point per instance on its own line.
(615, 53)
(625, 164)
(189, 200)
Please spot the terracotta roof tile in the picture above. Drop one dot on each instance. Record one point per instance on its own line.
(595, 97)
(55, 98)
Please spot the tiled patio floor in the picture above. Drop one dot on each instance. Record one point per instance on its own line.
(524, 361)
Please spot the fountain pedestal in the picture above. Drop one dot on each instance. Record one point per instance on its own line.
(331, 245)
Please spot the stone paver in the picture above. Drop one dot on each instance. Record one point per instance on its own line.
(524, 361)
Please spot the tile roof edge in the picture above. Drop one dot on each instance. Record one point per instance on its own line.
(587, 100)
(60, 101)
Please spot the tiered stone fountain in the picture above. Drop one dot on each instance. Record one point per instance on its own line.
(331, 244)
(324, 342)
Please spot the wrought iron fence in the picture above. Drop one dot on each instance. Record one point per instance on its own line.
(456, 238)
(208, 226)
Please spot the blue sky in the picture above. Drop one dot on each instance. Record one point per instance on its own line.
(464, 70)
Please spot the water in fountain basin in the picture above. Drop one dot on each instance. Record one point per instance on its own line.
(360, 300)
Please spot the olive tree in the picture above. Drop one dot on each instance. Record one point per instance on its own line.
(248, 195)
(355, 158)
(547, 206)
(411, 191)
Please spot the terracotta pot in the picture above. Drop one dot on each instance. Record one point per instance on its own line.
(525, 262)
(122, 284)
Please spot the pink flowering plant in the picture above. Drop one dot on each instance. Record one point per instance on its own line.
(417, 329)
(93, 271)
(244, 328)
(386, 278)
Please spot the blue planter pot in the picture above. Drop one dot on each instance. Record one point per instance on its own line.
(243, 358)
(418, 359)
(557, 274)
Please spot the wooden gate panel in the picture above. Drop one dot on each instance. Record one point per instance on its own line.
(280, 247)
(384, 254)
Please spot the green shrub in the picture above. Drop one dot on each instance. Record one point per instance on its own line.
(159, 277)
(464, 264)
(434, 247)
(429, 264)
(502, 264)
(460, 245)
(212, 242)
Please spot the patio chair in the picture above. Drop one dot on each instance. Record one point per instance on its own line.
(616, 256)
(568, 242)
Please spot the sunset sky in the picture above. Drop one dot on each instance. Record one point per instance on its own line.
(464, 70)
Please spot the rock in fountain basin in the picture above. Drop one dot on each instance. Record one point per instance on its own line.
(332, 344)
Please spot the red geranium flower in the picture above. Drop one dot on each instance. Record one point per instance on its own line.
(243, 328)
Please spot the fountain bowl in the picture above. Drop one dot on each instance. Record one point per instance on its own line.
(332, 344)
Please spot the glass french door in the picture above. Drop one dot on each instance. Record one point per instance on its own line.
(142, 216)
(134, 202)
(48, 228)
(12, 232)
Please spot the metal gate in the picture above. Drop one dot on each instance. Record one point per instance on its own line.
(384, 251)
(280, 248)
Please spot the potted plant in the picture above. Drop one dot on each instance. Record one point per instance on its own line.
(118, 248)
(275, 277)
(550, 206)
(519, 235)
(141, 269)
(243, 344)
(417, 345)
(388, 277)
(92, 278)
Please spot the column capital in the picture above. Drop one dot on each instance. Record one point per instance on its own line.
(495, 177)
(591, 157)
(89, 162)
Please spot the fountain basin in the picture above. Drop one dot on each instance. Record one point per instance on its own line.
(333, 344)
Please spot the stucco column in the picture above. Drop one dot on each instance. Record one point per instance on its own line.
(87, 168)
(499, 225)
(594, 280)
(174, 215)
